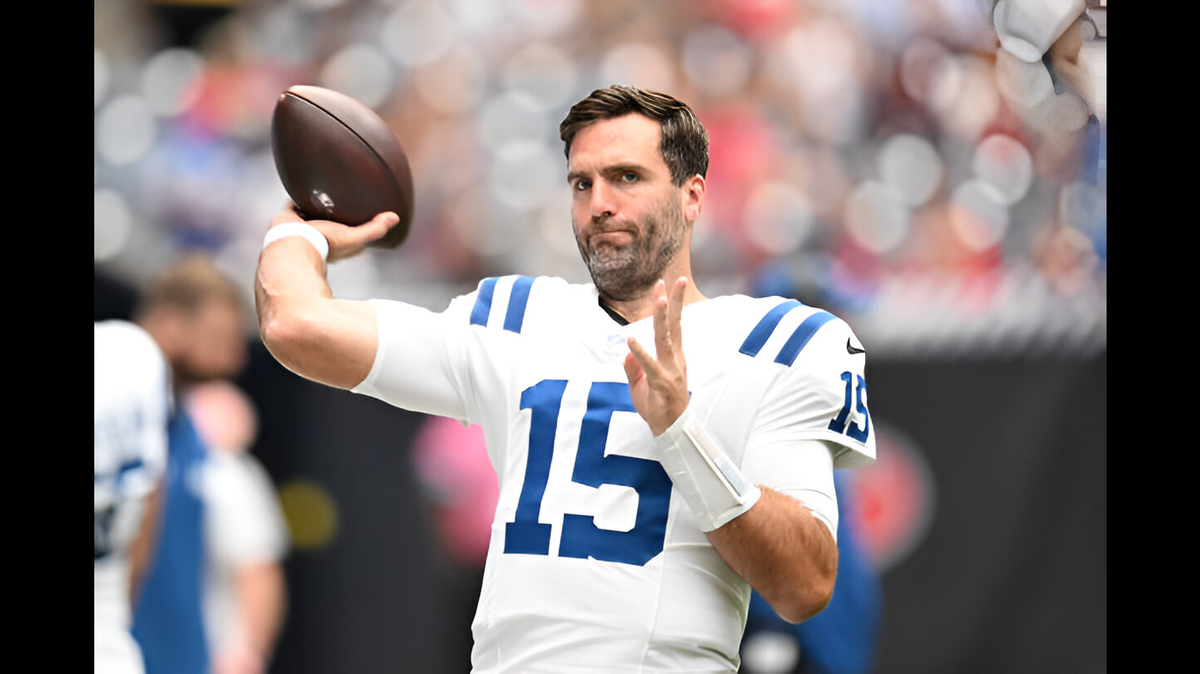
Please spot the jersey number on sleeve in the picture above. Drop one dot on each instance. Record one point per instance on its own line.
(859, 402)
(581, 538)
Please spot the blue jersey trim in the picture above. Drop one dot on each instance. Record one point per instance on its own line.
(762, 331)
(514, 316)
(125, 469)
(798, 340)
(516, 303)
(132, 464)
(483, 302)
(168, 620)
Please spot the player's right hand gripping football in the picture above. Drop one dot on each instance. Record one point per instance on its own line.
(345, 241)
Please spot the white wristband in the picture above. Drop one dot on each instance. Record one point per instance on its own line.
(312, 234)
(714, 488)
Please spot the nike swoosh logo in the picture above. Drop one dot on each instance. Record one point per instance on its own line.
(851, 349)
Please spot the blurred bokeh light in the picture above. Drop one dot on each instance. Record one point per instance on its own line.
(863, 153)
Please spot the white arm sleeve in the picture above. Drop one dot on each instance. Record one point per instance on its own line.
(812, 420)
(414, 365)
(801, 469)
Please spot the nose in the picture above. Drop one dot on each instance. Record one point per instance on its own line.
(602, 203)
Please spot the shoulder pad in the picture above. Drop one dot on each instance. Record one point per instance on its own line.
(784, 330)
(502, 302)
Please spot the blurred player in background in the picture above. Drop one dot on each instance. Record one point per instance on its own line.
(248, 539)
(132, 403)
(210, 532)
(659, 453)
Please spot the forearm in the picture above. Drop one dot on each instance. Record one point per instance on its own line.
(769, 538)
(263, 603)
(784, 552)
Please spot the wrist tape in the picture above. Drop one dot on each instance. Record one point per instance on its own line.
(302, 229)
(714, 488)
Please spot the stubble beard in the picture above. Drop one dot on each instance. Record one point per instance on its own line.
(628, 272)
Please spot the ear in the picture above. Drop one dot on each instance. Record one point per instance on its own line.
(693, 193)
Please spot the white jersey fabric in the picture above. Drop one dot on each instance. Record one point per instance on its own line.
(244, 525)
(596, 564)
(132, 403)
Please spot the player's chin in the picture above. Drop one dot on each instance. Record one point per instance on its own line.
(609, 264)
(610, 254)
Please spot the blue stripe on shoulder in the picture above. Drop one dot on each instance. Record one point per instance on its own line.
(516, 303)
(803, 333)
(518, 299)
(483, 302)
(762, 331)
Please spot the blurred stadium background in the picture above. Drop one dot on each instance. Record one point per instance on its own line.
(884, 159)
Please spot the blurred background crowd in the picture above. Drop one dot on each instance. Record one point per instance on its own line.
(888, 160)
(881, 158)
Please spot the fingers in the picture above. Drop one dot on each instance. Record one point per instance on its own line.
(668, 315)
(668, 336)
(658, 382)
(641, 363)
(662, 337)
(676, 309)
(633, 369)
(677, 295)
(347, 241)
(360, 235)
(379, 225)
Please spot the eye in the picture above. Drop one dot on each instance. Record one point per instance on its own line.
(583, 184)
(629, 177)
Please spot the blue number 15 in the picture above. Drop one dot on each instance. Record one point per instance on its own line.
(857, 402)
(581, 538)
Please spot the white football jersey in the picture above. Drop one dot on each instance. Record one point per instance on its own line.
(132, 401)
(596, 564)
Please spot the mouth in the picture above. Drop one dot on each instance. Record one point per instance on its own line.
(612, 237)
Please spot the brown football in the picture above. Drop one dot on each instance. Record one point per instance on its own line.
(339, 160)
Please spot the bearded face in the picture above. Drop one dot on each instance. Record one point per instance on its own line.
(626, 259)
(630, 218)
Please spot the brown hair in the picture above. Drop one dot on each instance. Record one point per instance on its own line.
(189, 283)
(684, 140)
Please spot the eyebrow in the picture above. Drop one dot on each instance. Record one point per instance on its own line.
(572, 176)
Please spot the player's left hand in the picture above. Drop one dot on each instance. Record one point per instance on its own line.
(658, 385)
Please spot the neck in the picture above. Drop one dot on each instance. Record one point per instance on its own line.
(642, 306)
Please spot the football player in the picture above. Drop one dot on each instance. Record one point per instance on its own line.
(659, 452)
(132, 402)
